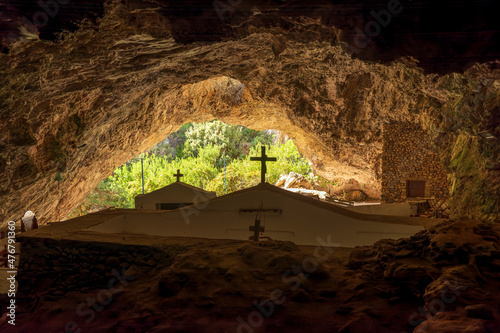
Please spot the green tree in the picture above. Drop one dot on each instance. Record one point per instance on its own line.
(244, 173)
(173, 145)
(215, 133)
(234, 141)
(201, 150)
(159, 172)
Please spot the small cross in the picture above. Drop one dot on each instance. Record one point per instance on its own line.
(256, 229)
(263, 159)
(178, 175)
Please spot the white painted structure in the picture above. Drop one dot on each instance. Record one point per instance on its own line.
(173, 195)
(395, 209)
(295, 218)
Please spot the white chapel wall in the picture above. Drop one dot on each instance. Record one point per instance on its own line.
(300, 222)
(173, 193)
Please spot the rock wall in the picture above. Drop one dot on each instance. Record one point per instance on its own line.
(408, 154)
(59, 266)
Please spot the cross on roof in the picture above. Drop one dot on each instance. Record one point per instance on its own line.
(263, 159)
(178, 175)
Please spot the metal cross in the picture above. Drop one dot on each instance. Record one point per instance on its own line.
(178, 175)
(263, 159)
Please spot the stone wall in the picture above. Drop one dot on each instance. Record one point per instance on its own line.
(409, 155)
(55, 267)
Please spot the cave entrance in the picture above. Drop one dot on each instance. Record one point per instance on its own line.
(212, 156)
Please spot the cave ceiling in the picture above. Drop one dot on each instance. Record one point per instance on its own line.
(98, 83)
(443, 35)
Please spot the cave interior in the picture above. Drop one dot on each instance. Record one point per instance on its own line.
(379, 96)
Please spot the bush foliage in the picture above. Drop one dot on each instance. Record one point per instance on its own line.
(200, 152)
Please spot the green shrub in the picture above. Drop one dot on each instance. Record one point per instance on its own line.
(201, 159)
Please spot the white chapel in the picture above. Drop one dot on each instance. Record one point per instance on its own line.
(173, 196)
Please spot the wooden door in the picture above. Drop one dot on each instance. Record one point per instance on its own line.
(415, 188)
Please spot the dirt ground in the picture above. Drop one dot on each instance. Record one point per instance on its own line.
(444, 279)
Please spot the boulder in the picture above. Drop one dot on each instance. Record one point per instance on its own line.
(445, 322)
(310, 193)
(356, 195)
(294, 180)
(480, 311)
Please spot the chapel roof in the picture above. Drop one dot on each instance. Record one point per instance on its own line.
(328, 206)
(179, 183)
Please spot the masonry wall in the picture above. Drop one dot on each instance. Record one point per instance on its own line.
(408, 155)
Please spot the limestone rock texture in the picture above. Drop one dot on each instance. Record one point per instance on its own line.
(444, 279)
(74, 109)
(294, 180)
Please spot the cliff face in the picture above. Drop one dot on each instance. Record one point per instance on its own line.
(72, 111)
